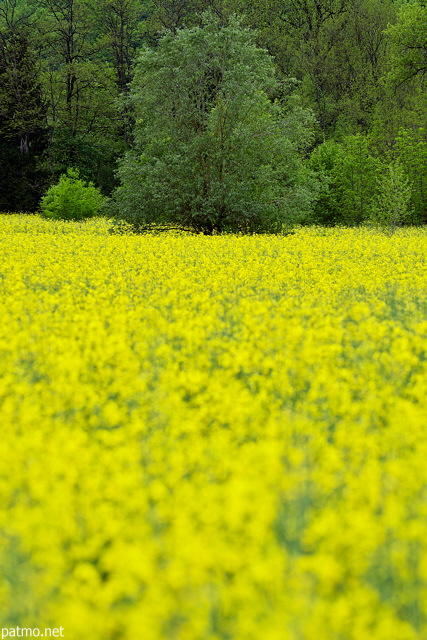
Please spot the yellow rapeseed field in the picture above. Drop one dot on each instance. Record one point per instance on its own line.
(213, 438)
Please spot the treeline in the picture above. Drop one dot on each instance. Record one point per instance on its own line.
(67, 67)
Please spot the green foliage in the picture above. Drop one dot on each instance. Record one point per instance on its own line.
(401, 112)
(357, 175)
(411, 149)
(22, 108)
(351, 174)
(336, 48)
(211, 149)
(23, 126)
(80, 84)
(408, 42)
(392, 203)
(324, 161)
(212, 152)
(71, 199)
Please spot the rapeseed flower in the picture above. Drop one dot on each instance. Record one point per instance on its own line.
(209, 438)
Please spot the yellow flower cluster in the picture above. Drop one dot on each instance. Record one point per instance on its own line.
(217, 438)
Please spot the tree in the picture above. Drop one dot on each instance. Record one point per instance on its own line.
(358, 172)
(172, 14)
(400, 124)
(23, 125)
(121, 22)
(408, 39)
(212, 152)
(351, 174)
(411, 152)
(80, 87)
(391, 206)
(177, 14)
(335, 48)
(325, 160)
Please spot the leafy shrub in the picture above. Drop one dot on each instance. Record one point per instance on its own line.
(71, 198)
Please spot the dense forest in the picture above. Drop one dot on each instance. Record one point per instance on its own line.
(354, 71)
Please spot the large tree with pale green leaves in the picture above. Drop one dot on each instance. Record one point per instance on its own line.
(212, 151)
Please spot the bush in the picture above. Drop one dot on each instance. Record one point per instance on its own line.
(71, 199)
